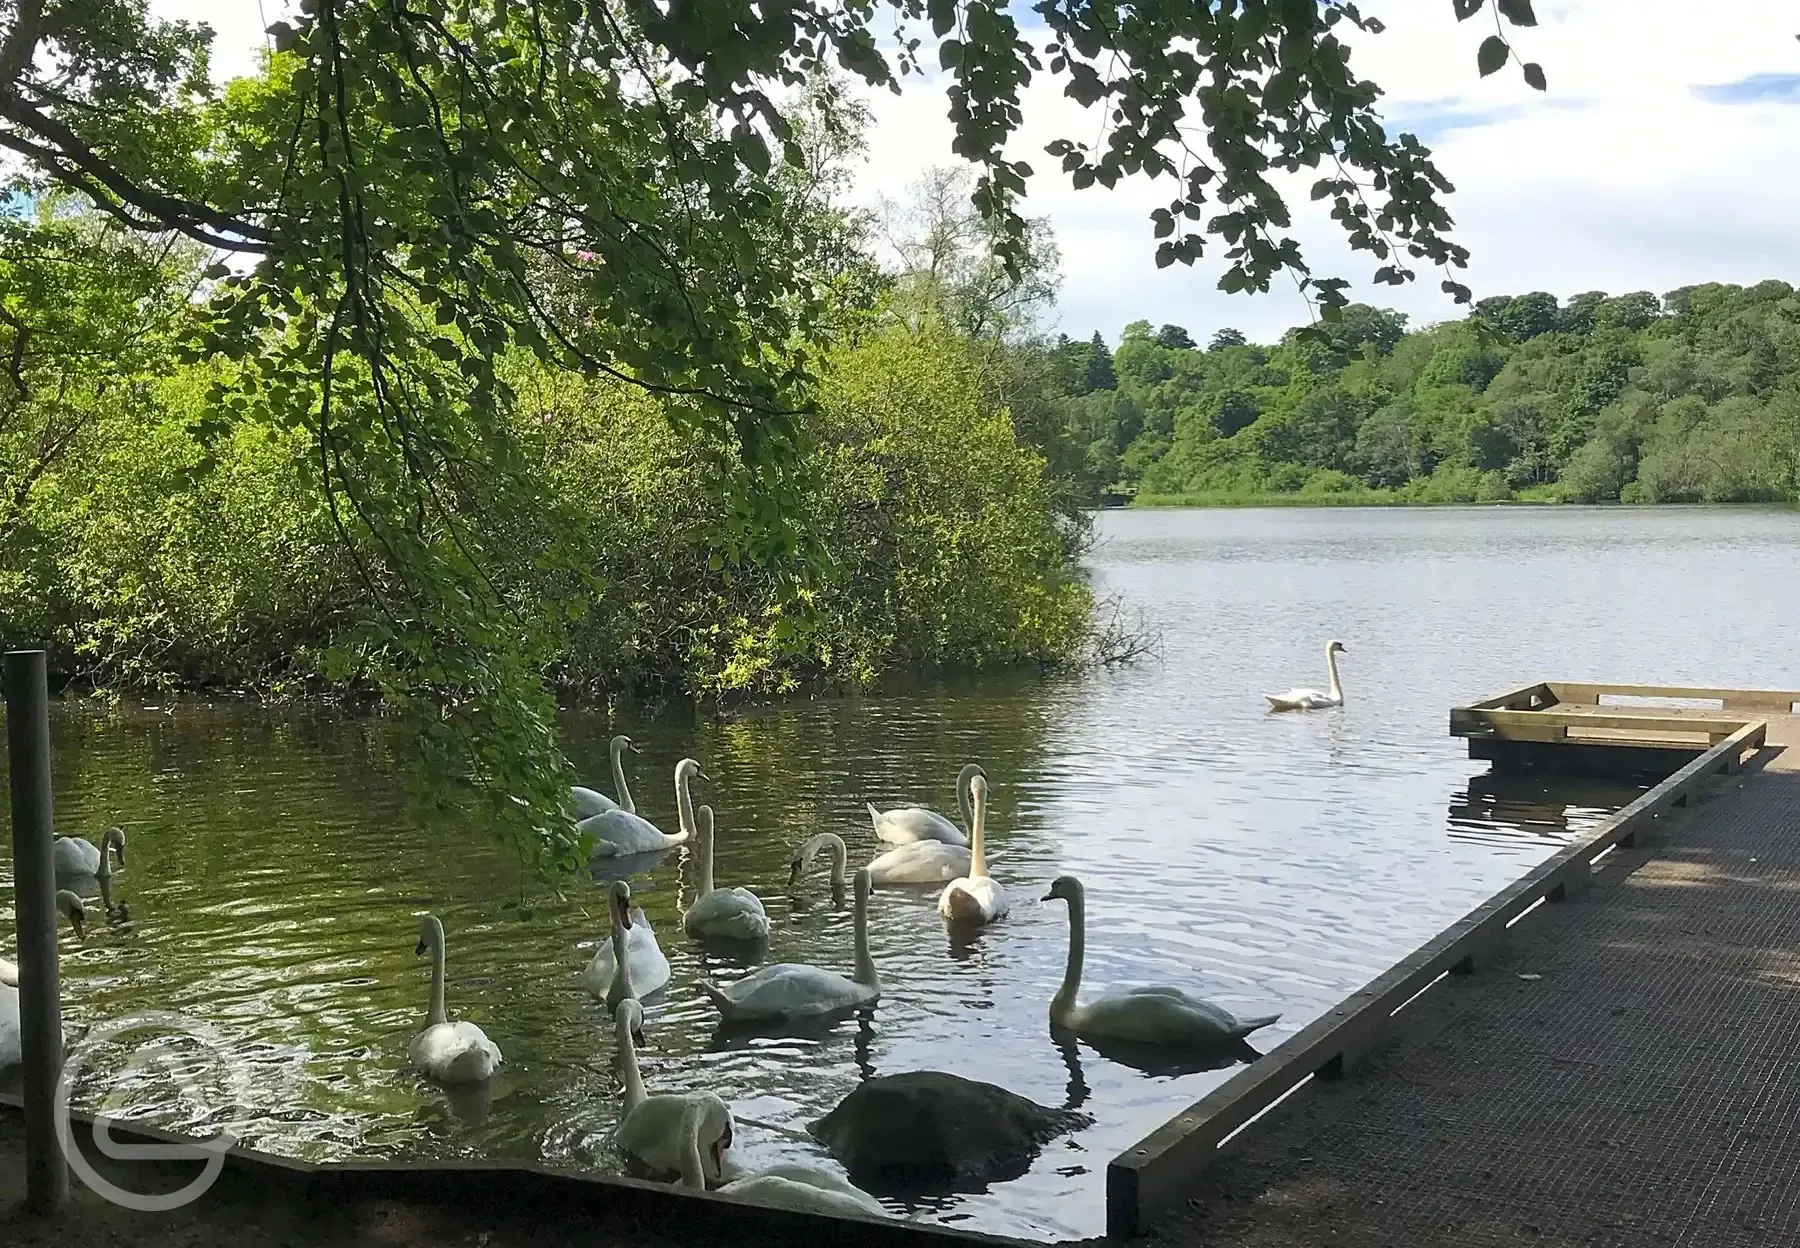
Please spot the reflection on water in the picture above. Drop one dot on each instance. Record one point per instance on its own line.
(1274, 862)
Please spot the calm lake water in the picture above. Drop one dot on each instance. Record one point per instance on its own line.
(1276, 862)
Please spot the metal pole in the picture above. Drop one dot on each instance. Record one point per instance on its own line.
(27, 692)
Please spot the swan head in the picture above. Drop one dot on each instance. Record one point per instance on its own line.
(1336, 647)
(978, 786)
(72, 908)
(113, 837)
(689, 769)
(864, 885)
(618, 898)
(430, 932)
(628, 1022)
(1064, 887)
(703, 822)
(621, 744)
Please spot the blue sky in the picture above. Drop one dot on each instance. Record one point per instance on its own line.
(1666, 153)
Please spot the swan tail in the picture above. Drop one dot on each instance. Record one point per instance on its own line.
(874, 816)
(1247, 1025)
(680, 838)
(717, 996)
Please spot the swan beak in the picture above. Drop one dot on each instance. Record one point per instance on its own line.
(77, 922)
(718, 1152)
(637, 1036)
(1048, 897)
(419, 950)
(793, 873)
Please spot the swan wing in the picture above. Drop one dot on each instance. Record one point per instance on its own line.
(455, 1053)
(1301, 699)
(649, 965)
(589, 803)
(788, 990)
(923, 862)
(619, 832)
(790, 1191)
(909, 825)
(74, 856)
(980, 899)
(12, 1043)
(1159, 1015)
(731, 913)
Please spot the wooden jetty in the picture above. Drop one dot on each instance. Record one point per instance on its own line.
(1617, 1071)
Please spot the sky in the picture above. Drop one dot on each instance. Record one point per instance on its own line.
(1665, 153)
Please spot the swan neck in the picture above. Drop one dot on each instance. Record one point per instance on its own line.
(621, 987)
(105, 878)
(977, 839)
(438, 1014)
(628, 1060)
(840, 860)
(865, 964)
(962, 802)
(623, 789)
(1062, 1005)
(1337, 690)
(693, 1171)
(684, 802)
(705, 836)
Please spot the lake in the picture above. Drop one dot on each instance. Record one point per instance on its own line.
(1275, 862)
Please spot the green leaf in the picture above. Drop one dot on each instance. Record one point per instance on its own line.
(1534, 76)
(1465, 9)
(1491, 55)
(1518, 12)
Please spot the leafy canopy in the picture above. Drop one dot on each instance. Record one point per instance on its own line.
(426, 185)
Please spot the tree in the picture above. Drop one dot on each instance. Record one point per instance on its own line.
(1174, 338)
(1100, 365)
(418, 190)
(1528, 315)
(1223, 338)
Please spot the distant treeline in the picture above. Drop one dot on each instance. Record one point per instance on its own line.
(1691, 397)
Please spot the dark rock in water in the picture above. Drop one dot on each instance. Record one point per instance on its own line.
(931, 1128)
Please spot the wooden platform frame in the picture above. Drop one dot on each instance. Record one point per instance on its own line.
(1153, 1176)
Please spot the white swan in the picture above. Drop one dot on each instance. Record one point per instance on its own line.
(12, 1040)
(449, 1052)
(731, 913)
(790, 1185)
(976, 897)
(620, 832)
(803, 857)
(653, 1128)
(74, 856)
(589, 802)
(72, 908)
(906, 825)
(1160, 1016)
(633, 946)
(1312, 699)
(922, 862)
(792, 990)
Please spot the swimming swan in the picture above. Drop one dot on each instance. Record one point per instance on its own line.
(12, 1040)
(1160, 1016)
(976, 897)
(448, 1052)
(785, 1186)
(922, 862)
(790, 990)
(654, 1129)
(906, 825)
(633, 944)
(802, 862)
(731, 913)
(74, 856)
(72, 908)
(620, 832)
(588, 802)
(929, 1126)
(1312, 699)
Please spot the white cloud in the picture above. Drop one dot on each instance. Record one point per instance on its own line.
(1620, 178)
